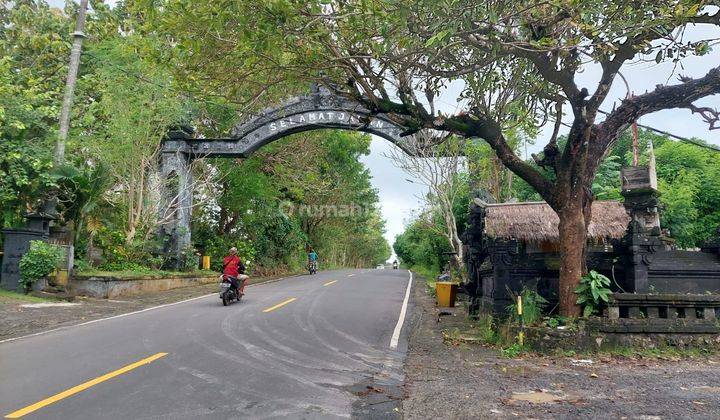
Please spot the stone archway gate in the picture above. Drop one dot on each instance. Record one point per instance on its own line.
(321, 109)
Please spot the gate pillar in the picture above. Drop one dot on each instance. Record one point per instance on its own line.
(176, 204)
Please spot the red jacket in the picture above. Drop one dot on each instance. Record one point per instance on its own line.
(231, 265)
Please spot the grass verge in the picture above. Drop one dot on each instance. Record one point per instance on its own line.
(7, 296)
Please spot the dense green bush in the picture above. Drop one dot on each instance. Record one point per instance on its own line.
(688, 181)
(38, 262)
(593, 292)
(533, 306)
(422, 247)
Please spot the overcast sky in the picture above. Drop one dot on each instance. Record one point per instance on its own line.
(398, 196)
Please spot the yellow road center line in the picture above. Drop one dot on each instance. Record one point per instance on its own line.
(82, 387)
(279, 305)
(330, 282)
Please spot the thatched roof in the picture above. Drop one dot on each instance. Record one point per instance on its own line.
(536, 222)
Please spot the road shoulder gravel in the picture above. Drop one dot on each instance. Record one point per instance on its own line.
(471, 381)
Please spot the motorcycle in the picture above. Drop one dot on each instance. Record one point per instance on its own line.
(227, 292)
(312, 267)
(395, 266)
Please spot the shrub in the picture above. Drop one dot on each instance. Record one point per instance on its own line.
(512, 351)
(533, 305)
(80, 265)
(125, 266)
(594, 289)
(38, 262)
(486, 329)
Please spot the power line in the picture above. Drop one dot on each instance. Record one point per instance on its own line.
(675, 136)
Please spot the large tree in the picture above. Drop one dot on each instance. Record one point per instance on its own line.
(515, 64)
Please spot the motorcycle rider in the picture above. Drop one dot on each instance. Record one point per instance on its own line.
(312, 257)
(234, 271)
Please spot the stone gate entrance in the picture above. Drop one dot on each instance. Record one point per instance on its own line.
(321, 109)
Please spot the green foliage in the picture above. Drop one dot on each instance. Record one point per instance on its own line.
(607, 183)
(512, 351)
(485, 327)
(593, 292)
(557, 321)
(40, 260)
(24, 175)
(688, 182)
(34, 46)
(126, 97)
(305, 190)
(552, 322)
(13, 297)
(482, 329)
(533, 306)
(662, 352)
(423, 246)
(118, 254)
(679, 208)
(189, 259)
(218, 247)
(487, 173)
(81, 193)
(121, 266)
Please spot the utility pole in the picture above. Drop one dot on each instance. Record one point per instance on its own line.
(67, 103)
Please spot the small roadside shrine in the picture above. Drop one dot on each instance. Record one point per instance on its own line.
(511, 246)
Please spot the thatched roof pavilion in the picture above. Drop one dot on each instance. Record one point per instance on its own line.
(537, 223)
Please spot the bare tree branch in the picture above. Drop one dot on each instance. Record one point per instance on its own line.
(663, 97)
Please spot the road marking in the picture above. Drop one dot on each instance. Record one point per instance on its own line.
(82, 387)
(330, 282)
(152, 308)
(279, 305)
(108, 318)
(350, 275)
(398, 327)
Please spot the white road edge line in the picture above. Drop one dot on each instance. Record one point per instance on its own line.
(398, 327)
(104, 319)
(152, 308)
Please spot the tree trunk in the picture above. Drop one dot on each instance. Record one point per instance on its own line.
(573, 243)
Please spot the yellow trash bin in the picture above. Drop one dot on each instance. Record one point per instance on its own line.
(446, 292)
(206, 262)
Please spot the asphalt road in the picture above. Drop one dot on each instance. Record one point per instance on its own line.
(320, 355)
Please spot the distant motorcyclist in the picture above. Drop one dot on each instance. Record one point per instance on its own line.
(234, 271)
(312, 258)
(395, 264)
